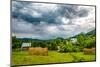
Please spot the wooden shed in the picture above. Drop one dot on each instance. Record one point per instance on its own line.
(25, 46)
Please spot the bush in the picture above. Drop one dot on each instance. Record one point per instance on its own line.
(68, 47)
(89, 43)
(16, 45)
(62, 48)
(16, 49)
(76, 49)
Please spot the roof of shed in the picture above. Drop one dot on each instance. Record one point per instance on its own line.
(26, 44)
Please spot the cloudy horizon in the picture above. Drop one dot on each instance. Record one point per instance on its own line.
(48, 21)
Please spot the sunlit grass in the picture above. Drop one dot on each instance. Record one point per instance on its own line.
(23, 58)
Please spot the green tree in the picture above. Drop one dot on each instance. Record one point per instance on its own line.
(66, 47)
(81, 38)
(16, 43)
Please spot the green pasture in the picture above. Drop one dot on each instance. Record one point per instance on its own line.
(24, 58)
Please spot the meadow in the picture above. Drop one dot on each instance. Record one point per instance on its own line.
(81, 49)
(24, 58)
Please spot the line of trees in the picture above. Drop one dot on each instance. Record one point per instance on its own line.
(62, 45)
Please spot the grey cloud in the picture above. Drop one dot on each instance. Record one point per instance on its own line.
(68, 11)
(24, 22)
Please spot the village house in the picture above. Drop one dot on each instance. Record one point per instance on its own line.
(74, 40)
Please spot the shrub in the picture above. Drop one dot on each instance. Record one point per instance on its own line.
(76, 49)
(62, 48)
(68, 47)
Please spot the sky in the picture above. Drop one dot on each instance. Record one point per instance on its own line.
(49, 21)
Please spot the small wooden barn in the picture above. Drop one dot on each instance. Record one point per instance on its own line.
(25, 46)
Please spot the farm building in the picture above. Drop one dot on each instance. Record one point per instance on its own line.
(74, 40)
(25, 46)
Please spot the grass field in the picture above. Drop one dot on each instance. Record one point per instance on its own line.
(23, 58)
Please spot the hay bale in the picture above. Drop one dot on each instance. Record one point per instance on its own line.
(89, 51)
(38, 51)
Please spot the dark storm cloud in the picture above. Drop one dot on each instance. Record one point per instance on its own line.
(47, 21)
(26, 17)
(68, 11)
(71, 11)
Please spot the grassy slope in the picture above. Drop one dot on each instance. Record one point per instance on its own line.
(23, 58)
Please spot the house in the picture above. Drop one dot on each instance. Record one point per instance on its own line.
(25, 46)
(74, 40)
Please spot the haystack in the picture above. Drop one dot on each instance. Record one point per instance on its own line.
(38, 51)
